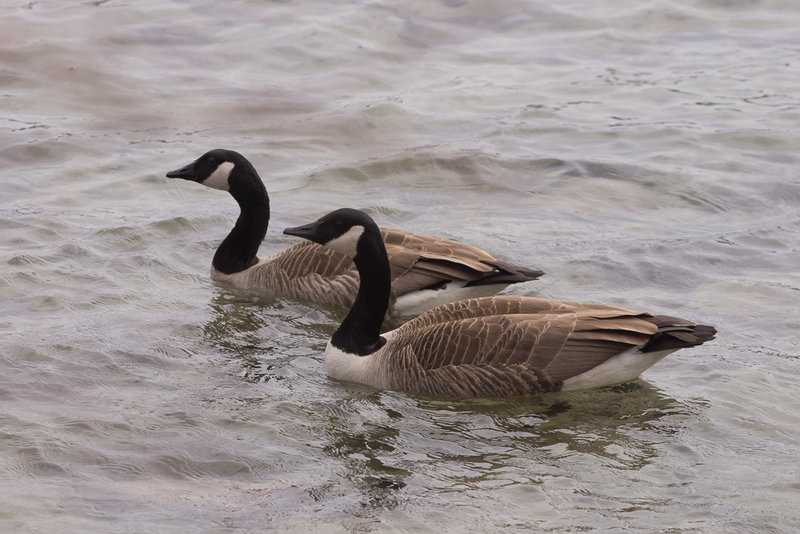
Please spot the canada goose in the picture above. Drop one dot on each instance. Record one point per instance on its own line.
(425, 271)
(489, 346)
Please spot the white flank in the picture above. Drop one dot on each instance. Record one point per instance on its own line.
(623, 367)
(347, 242)
(422, 300)
(219, 178)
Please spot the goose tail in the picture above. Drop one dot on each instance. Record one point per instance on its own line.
(506, 273)
(675, 333)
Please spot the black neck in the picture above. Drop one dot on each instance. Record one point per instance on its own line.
(359, 333)
(238, 250)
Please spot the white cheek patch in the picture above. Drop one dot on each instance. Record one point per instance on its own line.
(347, 242)
(219, 178)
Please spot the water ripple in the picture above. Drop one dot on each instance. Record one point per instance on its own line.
(643, 154)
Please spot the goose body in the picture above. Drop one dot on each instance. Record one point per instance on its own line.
(488, 346)
(425, 271)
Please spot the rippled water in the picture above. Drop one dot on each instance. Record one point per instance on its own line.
(643, 153)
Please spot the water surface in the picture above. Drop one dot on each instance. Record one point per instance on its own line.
(644, 154)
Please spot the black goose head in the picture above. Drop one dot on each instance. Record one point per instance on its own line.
(230, 171)
(341, 230)
(222, 169)
(356, 235)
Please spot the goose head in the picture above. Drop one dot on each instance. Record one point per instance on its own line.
(225, 170)
(344, 230)
(354, 234)
(230, 171)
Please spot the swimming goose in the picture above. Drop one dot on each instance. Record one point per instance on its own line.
(484, 347)
(425, 271)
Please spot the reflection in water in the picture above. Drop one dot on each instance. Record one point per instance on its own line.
(603, 423)
(365, 450)
(395, 448)
(262, 333)
(138, 392)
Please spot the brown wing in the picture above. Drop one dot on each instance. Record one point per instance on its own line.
(499, 346)
(310, 258)
(309, 272)
(420, 261)
(508, 305)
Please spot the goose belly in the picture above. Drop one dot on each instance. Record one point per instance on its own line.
(622, 367)
(422, 300)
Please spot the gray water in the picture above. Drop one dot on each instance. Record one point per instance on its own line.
(643, 153)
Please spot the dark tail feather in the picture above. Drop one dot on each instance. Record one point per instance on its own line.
(675, 333)
(506, 273)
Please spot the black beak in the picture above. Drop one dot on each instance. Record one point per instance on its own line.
(307, 231)
(187, 172)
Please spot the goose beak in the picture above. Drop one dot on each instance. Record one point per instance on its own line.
(307, 231)
(187, 172)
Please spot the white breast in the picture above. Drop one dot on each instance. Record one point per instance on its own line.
(354, 368)
(250, 278)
